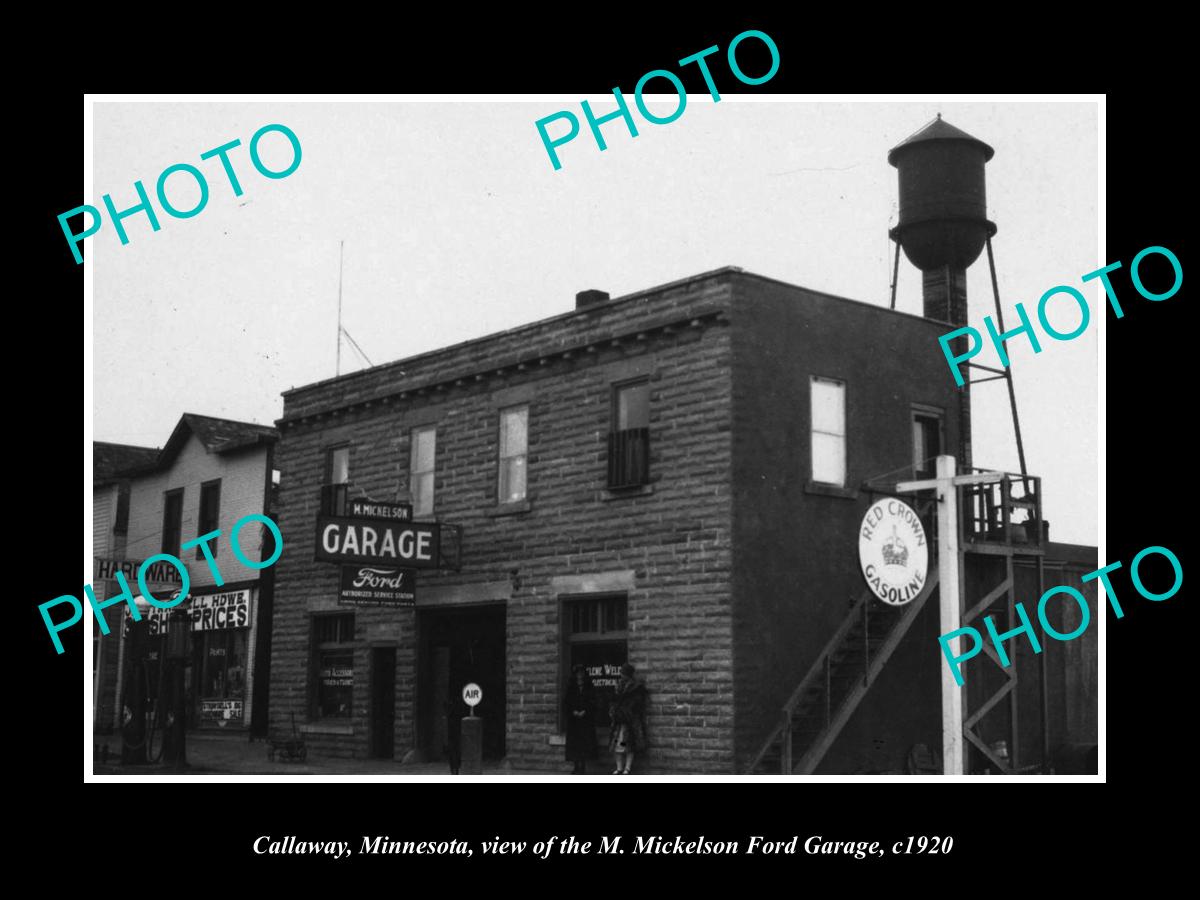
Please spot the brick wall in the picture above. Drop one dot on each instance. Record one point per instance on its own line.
(675, 538)
(796, 559)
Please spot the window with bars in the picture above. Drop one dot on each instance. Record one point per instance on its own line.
(333, 665)
(422, 457)
(828, 397)
(514, 444)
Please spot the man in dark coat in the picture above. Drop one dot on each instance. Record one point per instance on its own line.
(580, 714)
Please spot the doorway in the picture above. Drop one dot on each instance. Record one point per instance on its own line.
(383, 702)
(458, 647)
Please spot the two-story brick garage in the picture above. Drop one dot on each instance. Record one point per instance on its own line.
(670, 478)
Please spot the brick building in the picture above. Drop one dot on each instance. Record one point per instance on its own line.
(210, 473)
(674, 478)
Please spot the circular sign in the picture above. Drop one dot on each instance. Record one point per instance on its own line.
(472, 694)
(893, 551)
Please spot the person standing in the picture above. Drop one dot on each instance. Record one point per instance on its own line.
(580, 713)
(627, 736)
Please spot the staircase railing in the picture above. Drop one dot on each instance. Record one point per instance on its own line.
(833, 726)
(834, 720)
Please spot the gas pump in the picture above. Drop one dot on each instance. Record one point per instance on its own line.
(133, 703)
(175, 656)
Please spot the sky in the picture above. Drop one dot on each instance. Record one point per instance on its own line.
(455, 225)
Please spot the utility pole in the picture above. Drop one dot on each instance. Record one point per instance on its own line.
(946, 484)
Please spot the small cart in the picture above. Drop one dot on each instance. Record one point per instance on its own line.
(289, 749)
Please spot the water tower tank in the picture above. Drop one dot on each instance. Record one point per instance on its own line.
(943, 201)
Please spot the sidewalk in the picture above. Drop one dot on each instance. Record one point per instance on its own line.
(209, 754)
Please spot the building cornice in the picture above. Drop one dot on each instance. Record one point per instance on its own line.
(519, 363)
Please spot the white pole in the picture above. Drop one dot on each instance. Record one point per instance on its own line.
(952, 717)
(337, 370)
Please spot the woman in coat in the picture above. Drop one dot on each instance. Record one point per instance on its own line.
(579, 711)
(628, 712)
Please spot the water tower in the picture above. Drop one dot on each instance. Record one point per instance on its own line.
(943, 228)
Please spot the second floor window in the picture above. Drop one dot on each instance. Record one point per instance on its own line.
(514, 435)
(210, 514)
(172, 528)
(337, 481)
(927, 444)
(629, 439)
(121, 526)
(423, 450)
(828, 431)
(339, 465)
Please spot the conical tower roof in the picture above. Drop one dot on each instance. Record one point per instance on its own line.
(939, 130)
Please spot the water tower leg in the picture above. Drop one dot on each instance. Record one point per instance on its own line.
(1012, 395)
(895, 275)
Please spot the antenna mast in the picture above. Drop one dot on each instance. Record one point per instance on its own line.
(338, 365)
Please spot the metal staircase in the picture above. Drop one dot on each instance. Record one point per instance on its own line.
(838, 680)
(1002, 520)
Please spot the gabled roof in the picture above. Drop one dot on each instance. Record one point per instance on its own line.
(216, 435)
(111, 462)
(939, 130)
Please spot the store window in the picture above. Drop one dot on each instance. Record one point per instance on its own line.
(629, 438)
(828, 431)
(595, 635)
(172, 528)
(221, 681)
(514, 442)
(423, 450)
(333, 651)
(210, 514)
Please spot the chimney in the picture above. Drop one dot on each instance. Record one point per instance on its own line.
(592, 297)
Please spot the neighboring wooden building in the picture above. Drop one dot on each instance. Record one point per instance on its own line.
(210, 473)
(112, 467)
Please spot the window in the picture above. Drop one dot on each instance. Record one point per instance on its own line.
(828, 431)
(927, 443)
(595, 635)
(172, 521)
(629, 439)
(333, 652)
(421, 457)
(210, 513)
(514, 438)
(220, 660)
(337, 480)
(121, 525)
